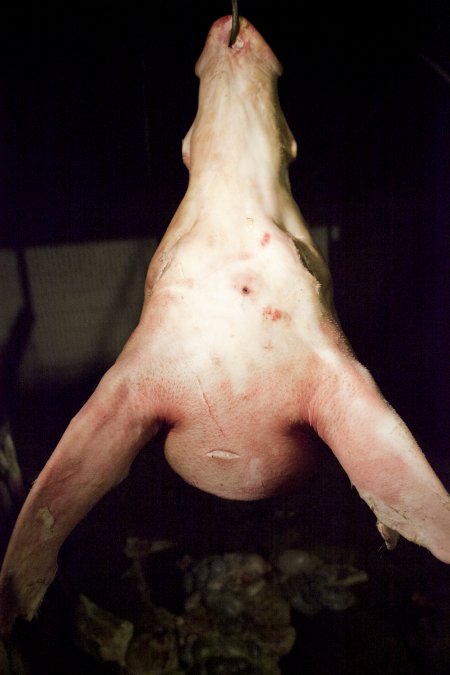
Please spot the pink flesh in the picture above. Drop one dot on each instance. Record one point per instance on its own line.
(238, 349)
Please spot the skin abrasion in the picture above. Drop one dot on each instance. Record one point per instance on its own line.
(238, 354)
(46, 518)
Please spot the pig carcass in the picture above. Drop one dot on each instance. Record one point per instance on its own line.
(238, 351)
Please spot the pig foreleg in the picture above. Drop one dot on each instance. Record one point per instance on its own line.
(93, 455)
(380, 456)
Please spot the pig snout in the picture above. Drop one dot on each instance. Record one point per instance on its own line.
(249, 49)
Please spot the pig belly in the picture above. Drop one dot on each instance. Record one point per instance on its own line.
(239, 401)
(250, 463)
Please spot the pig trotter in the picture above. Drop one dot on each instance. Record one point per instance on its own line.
(234, 23)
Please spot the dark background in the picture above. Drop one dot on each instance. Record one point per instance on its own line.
(94, 104)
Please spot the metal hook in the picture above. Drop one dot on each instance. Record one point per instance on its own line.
(234, 22)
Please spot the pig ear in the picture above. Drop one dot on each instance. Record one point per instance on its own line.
(93, 455)
(380, 456)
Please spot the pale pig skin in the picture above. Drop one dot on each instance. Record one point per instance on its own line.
(238, 350)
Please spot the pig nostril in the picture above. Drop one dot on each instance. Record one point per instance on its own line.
(234, 22)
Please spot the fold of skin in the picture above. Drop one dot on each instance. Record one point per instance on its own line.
(238, 350)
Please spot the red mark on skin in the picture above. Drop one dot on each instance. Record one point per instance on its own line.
(265, 240)
(274, 314)
(244, 283)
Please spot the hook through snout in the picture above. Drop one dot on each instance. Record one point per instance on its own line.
(234, 22)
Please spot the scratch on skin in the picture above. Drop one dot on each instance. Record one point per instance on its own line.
(213, 417)
(402, 514)
(165, 260)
